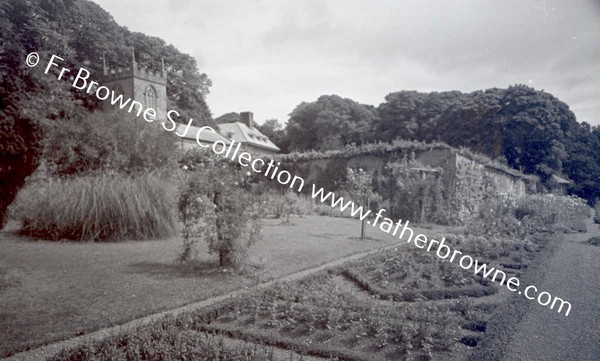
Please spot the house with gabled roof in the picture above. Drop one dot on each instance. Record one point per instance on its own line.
(244, 132)
(191, 138)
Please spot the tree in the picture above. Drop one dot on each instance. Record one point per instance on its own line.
(583, 163)
(533, 130)
(28, 98)
(231, 117)
(530, 130)
(80, 32)
(216, 205)
(360, 185)
(270, 128)
(413, 115)
(273, 129)
(474, 123)
(290, 205)
(329, 123)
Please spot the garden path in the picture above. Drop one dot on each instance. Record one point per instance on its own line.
(572, 274)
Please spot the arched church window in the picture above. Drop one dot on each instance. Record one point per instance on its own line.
(150, 97)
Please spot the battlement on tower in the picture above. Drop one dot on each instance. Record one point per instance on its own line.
(141, 84)
(135, 71)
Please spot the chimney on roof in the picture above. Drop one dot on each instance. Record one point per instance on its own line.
(247, 118)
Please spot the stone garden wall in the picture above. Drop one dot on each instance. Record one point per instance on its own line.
(437, 184)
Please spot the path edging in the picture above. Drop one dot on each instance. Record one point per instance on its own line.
(52, 349)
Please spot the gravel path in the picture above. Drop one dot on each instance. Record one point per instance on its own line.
(574, 275)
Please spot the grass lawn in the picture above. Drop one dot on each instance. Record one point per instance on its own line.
(329, 314)
(61, 289)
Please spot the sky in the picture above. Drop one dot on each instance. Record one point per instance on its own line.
(269, 56)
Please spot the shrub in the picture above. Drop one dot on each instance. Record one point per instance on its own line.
(597, 213)
(496, 218)
(97, 208)
(594, 241)
(412, 295)
(216, 205)
(491, 247)
(291, 205)
(102, 141)
(326, 210)
(529, 215)
(551, 213)
(170, 339)
(285, 204)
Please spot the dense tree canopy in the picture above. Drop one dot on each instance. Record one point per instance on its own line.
(531, 130)
(472, 123)
(79, 31)
(329, 123)
(231, 117)
(413, 115)
(276, 132)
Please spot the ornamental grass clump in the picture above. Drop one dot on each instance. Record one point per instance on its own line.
(97, 208)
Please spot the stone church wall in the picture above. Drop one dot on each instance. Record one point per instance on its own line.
(133, 82)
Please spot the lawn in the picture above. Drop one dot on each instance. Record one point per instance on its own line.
(56, 290)
(400, 303)
(330, 314)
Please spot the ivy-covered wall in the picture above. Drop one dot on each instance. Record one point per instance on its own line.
(436, 184)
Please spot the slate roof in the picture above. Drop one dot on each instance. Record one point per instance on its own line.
(205, 136)
(240, 132)
(560, 180)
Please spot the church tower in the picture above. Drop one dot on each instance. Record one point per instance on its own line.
(138, 83)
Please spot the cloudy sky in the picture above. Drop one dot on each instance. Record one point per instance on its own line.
(268, 56)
